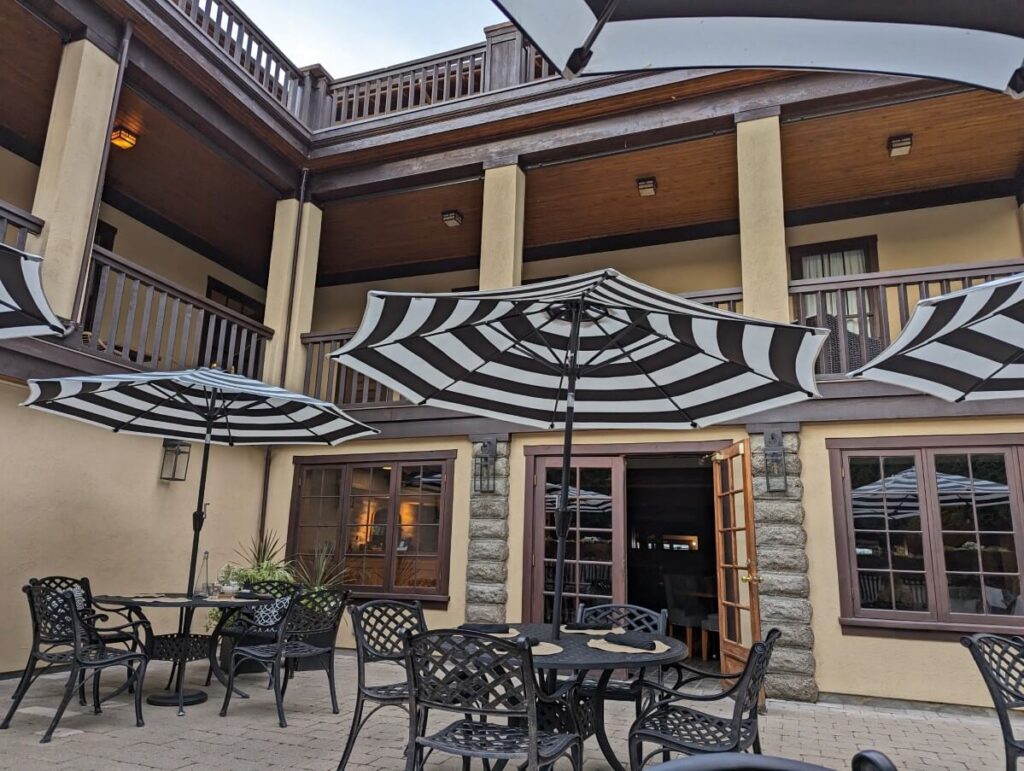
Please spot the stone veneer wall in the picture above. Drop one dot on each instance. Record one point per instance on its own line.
(487, 572)
(782, 563)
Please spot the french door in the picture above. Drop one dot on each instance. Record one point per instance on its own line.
(739, 619)
(595, 564)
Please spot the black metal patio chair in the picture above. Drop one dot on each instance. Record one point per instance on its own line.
(869, 760)
(1001, 661)
(631, 618)
(379, 627)
(252, 625)
(480, 677)
(309, 614)
(673, 726)
(63, 635)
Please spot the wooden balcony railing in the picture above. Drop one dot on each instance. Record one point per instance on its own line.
(327, 380)
(136, 317)
(16, 225)
(866, 312)
(505, 59)
(244, 44)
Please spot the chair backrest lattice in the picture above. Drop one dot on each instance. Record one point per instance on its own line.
(1001, 661)
(77, 586)
(471, 673)
(752, 679)
(52, 615)
(315, 612)
(380, 626)
(632, 618)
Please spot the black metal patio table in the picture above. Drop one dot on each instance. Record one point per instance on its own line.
(182, 646)
(578, 656)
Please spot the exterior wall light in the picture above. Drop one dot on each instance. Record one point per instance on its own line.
(452, 218)
(900, 145)
(647, 186)
(175, 463)
(485, 466)
(123, 138)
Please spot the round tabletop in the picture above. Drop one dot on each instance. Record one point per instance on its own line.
(577, 654)
(182, 600)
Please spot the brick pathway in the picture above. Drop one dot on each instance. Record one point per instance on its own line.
(249, 738)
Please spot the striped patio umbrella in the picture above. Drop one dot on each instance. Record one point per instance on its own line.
(592, 351)
(979, 43)
(963, 346)
(897, 495)
(201, 405)
(24, 311)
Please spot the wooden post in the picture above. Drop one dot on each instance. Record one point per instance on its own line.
(503, 66)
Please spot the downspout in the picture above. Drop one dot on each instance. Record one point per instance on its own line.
(83, 273)
(303, 193)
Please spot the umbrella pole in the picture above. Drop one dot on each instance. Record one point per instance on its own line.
(199, 515)
(563, 516)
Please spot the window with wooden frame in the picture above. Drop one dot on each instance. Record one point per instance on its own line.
(388, 517)
(929, 532)
(831, 259)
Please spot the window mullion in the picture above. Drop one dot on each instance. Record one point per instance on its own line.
(931, 529)
(390, 543)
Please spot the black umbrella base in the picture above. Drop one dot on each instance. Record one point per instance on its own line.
(170, 698)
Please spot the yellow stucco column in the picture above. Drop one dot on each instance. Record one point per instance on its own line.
(70, 167)
(501, 232)
(286, 344)
(762, 227)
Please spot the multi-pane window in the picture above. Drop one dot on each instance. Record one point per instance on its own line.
(388, 520)
(933, 534)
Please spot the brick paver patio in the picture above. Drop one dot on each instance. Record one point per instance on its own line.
(249, 737)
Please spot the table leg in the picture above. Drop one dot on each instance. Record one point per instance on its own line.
(225, 617)
(599, 729)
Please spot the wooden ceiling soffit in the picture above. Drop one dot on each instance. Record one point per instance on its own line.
(678, 119)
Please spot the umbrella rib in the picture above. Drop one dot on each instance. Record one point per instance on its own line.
(140, 415)
(589, 370)
(653, 382)
(305, 428)
(1012, 360)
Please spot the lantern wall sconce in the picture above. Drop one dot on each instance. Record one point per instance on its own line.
(775, 461)
(174, 467)
(123, 138)
(900, 145)
(451, 218)
(647, 186)
(485, 466)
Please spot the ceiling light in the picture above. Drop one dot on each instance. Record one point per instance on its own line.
(123, 138)
(452, 218)
(900, 145)
(646, 186)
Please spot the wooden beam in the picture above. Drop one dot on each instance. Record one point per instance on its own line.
(675, 121)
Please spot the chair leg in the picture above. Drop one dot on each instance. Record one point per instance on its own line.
(278, 696)
(231, 687)
(21, 690)
(357, 718)
(96, 692)
(689, 641)
(81, 688)
(69, 691)
(636, 751)
(284, 681)
(757, 744)
(330, 682)
(703, 644)
(209, 675)
(139, 677)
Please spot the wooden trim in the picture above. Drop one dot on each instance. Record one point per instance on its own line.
(869, 244)
(909, 275)
(640, 448)
(878, 627)
(924, 441)
(373, 457)
(405, 270)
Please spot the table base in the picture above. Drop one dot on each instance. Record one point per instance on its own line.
(170, 698)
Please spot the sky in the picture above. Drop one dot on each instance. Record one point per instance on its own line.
(347, 38)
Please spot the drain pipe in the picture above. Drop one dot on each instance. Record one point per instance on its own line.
(122, 65)
(303, 194)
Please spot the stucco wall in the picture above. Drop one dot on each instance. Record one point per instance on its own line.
(81, 501)
(282, 472)
(926, 670)
(17, 179)
(979, 231)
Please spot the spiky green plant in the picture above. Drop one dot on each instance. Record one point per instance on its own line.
(321, 570)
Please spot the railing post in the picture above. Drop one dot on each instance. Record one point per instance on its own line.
(316, 97)
(503, 57)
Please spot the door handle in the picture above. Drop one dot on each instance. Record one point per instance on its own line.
(750, 579)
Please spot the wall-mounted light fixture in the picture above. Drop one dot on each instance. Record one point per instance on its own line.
(775, 460)
(175, 464)
(123, 138)
(452, 218)
(900, 145)
(485, 466)
(647, 186)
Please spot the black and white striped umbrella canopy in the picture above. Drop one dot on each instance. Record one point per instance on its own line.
(898, 495)
(647, 359)
(963, 346)
(195, 404)
(980, 43)
(24, 311)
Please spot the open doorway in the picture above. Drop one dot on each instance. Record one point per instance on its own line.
(671, 558)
